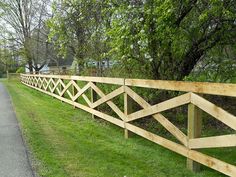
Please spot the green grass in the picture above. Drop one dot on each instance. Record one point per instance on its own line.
(67, 142)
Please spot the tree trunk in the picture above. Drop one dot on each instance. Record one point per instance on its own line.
(31, 68)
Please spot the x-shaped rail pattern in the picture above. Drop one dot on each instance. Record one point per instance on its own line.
(58, 87)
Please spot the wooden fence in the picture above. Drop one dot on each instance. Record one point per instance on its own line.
(13, 76)
(58, 86)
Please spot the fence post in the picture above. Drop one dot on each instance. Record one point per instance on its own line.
(194, 131)
(52, 87)
(60, 88)
(127, 110)
(7, 75)
(74, 92)
(93, 98)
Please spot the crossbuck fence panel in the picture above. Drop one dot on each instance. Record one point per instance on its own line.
(58, 86)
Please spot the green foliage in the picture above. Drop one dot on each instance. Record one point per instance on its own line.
(77, 27)
(20, 70)
(6, 58)
(218, 66)
(166, 39)
(149, 39)
(21, 19)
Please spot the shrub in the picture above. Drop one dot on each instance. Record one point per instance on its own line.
(20, 70)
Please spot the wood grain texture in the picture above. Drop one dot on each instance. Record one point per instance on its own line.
(213, 142)
(217, 112)
(196, 87)
(110, 103)
(108, 97)
(83, 107)
(105, 80)
(55, 86)
(177, 133)
(163, 106)
(206, 160)
(194, 131)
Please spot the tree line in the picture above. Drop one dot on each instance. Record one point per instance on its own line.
(158, 39)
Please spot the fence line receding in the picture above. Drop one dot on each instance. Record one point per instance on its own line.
(58, 86)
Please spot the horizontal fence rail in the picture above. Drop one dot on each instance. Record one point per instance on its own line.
(68, 89)
(13, 76)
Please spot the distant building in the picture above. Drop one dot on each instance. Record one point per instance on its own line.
(69, 64)
(101, 64)
(61, 64)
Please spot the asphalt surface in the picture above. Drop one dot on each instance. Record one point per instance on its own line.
(14, 161)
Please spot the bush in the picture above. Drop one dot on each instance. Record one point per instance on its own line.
(20, 70)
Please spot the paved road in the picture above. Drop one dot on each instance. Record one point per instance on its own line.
(13, 155)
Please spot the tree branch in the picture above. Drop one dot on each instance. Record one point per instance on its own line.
(185, 12)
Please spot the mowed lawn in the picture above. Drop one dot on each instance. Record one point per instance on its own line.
(67, 142)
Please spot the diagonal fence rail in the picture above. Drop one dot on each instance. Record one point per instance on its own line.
(68, 89)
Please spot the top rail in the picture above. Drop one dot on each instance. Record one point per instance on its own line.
(197, 87)
(105, 80)
(221, 89)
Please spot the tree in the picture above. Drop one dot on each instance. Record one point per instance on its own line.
(8, 60)
(77, 27)
(167, 39)
(22, 18)
(219, 65)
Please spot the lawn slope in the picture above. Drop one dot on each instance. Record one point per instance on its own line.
(67, 142)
